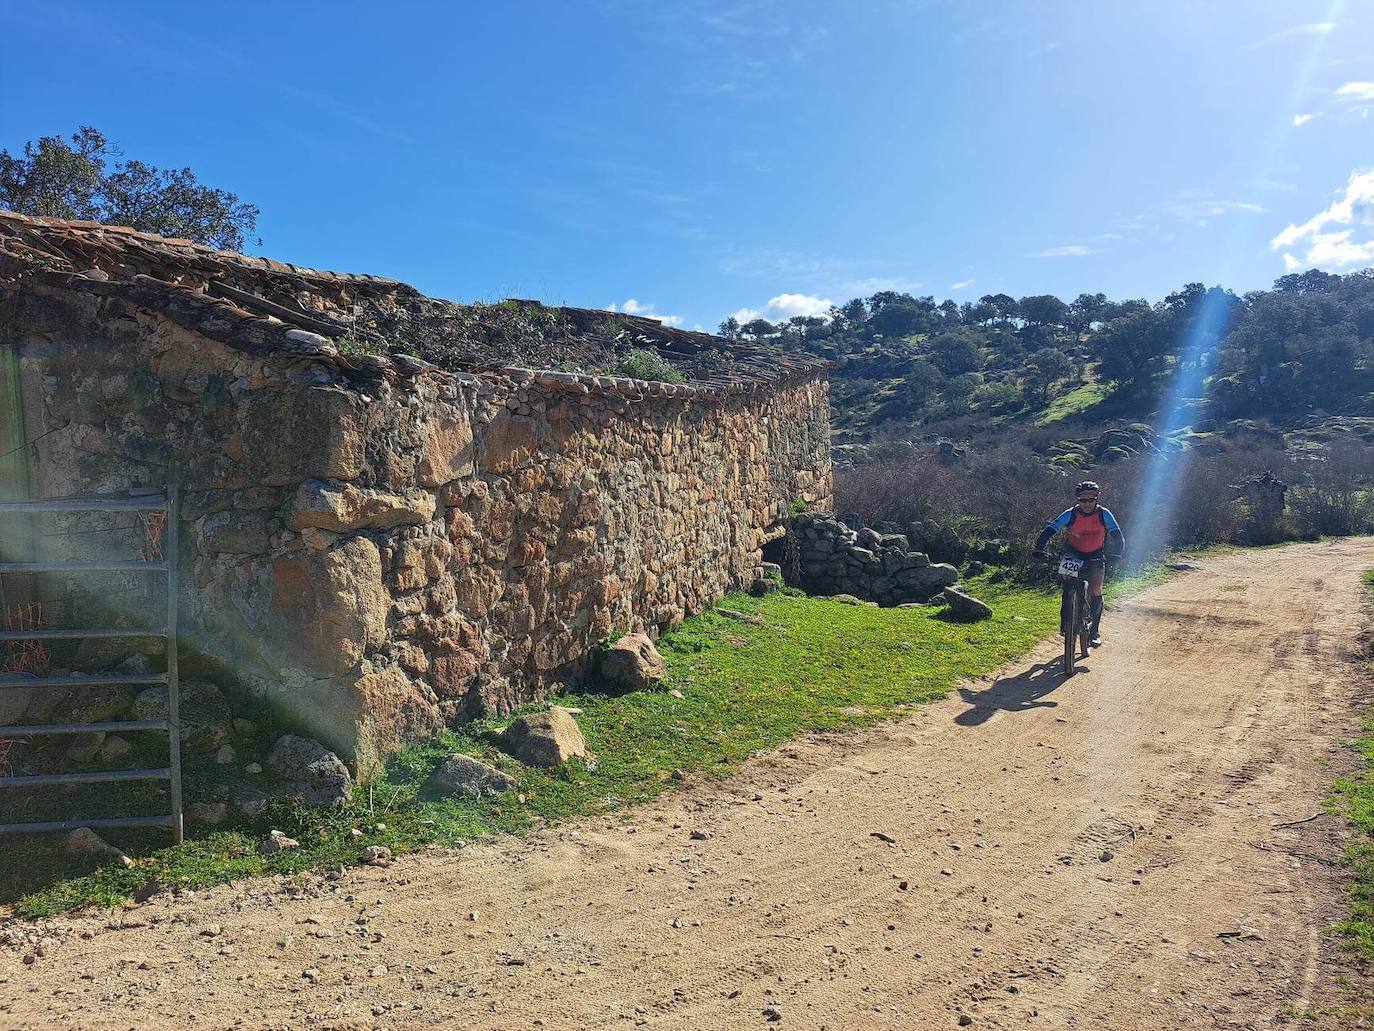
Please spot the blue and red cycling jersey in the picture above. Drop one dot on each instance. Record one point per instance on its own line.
(1088, 532)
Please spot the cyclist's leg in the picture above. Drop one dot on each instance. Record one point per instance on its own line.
(1096, 575)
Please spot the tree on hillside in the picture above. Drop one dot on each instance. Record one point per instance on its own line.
(1086, 310)
(1003, 307)
(1045, 368)
(1043, 310)
(729, 328)
(757, 329)
(87, 179)
(923, 381)
(1313, 281)
(955, 352)
(899, 319)
(1134, 349)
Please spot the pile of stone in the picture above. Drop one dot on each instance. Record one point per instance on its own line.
(834, 558)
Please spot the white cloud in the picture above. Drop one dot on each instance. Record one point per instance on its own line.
(1316, 28)
(787, 306)
(1072, 250)
(633, 307)
(1302, 120)
(963, 284)
(1356, 92)
(1327, 246)
(1200, 210)
(877, 284)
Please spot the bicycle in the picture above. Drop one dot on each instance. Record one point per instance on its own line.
(1075, 613)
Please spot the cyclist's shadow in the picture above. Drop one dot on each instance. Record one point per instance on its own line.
(1014, 694)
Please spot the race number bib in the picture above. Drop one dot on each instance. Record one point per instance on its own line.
(1070, 566)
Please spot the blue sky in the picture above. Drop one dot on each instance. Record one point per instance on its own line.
(694, 159)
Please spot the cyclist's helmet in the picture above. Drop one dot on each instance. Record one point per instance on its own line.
(1087, 487)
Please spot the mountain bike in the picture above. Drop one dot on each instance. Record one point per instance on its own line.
(1075, 613)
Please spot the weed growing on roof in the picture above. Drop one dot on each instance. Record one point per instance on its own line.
(350, 344)
(642, 363)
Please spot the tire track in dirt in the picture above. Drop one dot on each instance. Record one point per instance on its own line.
(1096, 853)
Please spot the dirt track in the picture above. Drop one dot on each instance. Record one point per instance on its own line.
(1094, 854)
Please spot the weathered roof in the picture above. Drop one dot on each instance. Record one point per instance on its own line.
(265, 305)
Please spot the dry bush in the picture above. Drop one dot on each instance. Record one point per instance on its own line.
(1334, 495)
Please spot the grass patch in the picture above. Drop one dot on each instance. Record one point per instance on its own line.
(813, 665)
(1353, 797)
(1074, 403)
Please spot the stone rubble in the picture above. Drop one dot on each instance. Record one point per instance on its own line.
(835, 559)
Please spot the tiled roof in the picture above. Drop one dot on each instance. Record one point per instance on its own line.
(263, 305)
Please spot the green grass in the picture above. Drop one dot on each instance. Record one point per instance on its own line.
(1075, 402)
(1353, 797)
(813, 665)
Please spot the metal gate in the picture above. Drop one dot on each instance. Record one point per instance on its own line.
(165, 566)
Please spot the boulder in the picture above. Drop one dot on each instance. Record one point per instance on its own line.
(964, 607)
(310, 772)
(464, 775)
(87, 843)
(929, 580)
(547, 738)
(764, 585)
(633, 664)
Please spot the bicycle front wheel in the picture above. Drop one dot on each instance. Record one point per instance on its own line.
(1073, 618)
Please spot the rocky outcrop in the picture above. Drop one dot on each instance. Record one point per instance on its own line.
(833, 558)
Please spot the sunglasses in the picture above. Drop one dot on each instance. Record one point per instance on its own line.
(1087, 497)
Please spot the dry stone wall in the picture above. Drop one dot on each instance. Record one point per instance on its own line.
(380, 558)
(831, 557)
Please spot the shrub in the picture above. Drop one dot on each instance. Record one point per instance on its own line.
(641, 363)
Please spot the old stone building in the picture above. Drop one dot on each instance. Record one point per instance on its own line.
(390, 522)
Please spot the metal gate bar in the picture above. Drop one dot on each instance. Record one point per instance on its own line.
(168, 565)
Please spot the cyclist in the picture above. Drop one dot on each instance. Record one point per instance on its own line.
(1091, 529)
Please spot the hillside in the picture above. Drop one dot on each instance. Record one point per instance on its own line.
(961, 425)
(908, 366)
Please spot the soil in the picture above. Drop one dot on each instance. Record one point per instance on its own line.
(1097, 852)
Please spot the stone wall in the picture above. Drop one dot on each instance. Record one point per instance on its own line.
(829, 557)
(381, 555)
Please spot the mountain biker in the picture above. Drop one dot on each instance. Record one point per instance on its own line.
(1091, 529)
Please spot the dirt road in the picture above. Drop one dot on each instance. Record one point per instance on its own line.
(1097, 853)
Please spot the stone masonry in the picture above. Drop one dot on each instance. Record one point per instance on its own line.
(832, 558)
(377, 546)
